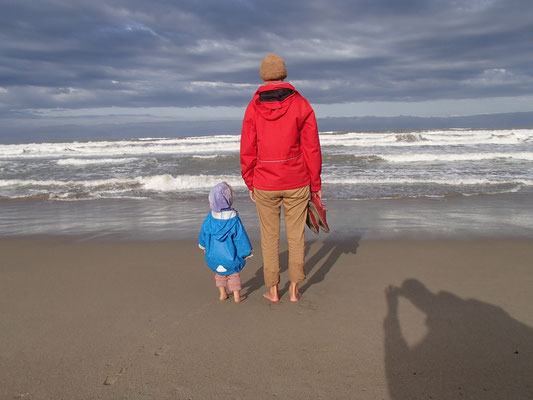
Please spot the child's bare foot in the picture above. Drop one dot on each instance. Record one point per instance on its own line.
(294, 293)
(272, 295)
(223, 294)
(237, 298)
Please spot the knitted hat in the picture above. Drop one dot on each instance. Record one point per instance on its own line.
(273, 68)
(220, 197)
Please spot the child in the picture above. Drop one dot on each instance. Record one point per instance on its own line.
(225, 242)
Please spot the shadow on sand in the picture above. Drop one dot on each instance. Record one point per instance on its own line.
(316, 267)
(321, 263)
(472, 350)
(257, 281)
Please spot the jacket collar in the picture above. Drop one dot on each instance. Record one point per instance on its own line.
(224, 214)
(274, 86)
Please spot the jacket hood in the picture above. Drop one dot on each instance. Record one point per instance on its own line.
(220, 197)
(272, 101)
(220, 228)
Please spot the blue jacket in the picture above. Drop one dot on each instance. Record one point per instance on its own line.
(226, 244)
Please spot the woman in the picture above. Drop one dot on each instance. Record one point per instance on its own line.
(281, 164)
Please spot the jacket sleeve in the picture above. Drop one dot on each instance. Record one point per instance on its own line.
(311, 149)
(203, 238)
(242, 243)
(248, 147)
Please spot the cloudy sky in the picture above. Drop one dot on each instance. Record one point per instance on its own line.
(83, 62)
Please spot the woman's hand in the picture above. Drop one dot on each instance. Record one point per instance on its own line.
(252, 195)
(319, 194)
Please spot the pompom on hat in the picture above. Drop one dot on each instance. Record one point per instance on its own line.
(273, 68)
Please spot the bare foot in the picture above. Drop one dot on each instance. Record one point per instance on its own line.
(223, 294)
(294, 293)
(272, 295)
(238, 298)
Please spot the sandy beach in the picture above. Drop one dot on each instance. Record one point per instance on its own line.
(379, 319)
(411, 121)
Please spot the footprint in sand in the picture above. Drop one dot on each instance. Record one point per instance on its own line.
(308, 305)
(161, 351)
(112, 379)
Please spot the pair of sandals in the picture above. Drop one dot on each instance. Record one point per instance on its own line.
(316, 215)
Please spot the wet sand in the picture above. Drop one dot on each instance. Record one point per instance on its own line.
(378, 319)
(494, 216)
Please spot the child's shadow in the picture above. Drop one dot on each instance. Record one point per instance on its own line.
(332, 248)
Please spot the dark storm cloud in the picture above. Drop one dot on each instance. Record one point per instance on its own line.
(61, 53)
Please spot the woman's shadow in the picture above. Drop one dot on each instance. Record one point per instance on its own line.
(472, 350)
(316, 267)
(257, 281)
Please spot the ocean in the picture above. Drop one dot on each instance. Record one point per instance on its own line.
(41, 182)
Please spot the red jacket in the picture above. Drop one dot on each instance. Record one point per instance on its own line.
(280, 148)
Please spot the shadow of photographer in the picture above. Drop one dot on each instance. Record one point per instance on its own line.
(472, 349)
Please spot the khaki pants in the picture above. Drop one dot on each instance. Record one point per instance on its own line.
(294, 203)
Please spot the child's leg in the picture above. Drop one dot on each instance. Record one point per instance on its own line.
(234, 285)
(223, 294)
(222, 282)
